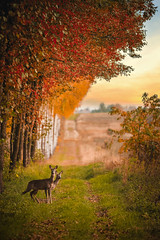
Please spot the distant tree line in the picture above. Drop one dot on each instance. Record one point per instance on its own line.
(104, 108)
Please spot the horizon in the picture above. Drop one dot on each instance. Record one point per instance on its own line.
(96, 107)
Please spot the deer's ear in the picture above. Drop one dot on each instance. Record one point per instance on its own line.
(56, 166)
(50, 166)
(61, 171)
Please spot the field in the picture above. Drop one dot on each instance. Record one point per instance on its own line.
(86, 139)
(90, 202)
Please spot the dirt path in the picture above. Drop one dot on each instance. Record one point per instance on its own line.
(102, 228)
(87, 140)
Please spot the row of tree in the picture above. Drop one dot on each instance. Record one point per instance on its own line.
(103, 108)
(46, 46)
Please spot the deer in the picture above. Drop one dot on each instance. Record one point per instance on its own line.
(55, 182)
(42, 184)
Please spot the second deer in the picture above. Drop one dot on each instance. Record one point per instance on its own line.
(58, 177)
(42, 184)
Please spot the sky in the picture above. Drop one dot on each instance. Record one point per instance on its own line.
(145, 77)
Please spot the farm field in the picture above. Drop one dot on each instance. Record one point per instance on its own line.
(86, 139)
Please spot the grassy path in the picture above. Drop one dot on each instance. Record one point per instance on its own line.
(74, 213)
(89, 203)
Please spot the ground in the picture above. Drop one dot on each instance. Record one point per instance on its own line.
(87, 139)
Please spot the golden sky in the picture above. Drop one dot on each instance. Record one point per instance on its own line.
(144, 78)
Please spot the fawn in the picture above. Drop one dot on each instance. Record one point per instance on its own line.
(42, 184)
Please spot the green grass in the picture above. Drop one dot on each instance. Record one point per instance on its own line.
(88, 203)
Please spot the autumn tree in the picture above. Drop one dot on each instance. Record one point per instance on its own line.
(45, 44)
(65, 104)
(143, 126)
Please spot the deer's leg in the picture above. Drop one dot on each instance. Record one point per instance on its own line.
(46, 195)
(50, 195)
(37, 198)
(34, 192)
(31, 194)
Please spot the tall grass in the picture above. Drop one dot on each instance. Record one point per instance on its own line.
(88, 203)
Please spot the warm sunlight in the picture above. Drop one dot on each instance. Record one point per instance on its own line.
(144, 78)
(69, 172)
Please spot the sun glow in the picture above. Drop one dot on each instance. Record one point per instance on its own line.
(144, 78)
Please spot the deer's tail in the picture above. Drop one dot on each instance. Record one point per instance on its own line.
(27, 190)
(24, 192)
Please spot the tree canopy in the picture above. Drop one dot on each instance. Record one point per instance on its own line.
(49, 44)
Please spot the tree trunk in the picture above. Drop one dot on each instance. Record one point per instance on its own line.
(20, 152)
(33, 148)
(2, 148)
(25, 148)
(29, 147)
(30, 140)
(3, 124)
(12, 136)
(16, 143)
(33, 145)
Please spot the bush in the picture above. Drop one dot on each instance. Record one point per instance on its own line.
(140, 133)
(38, 157)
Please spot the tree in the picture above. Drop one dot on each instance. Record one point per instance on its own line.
(103, 108)
(65, 104)
(45, 44)
(143, 125)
